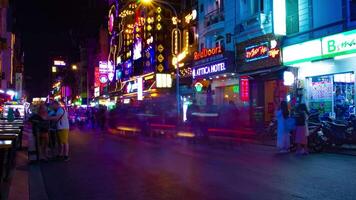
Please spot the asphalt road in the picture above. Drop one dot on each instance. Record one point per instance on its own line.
(108, 167)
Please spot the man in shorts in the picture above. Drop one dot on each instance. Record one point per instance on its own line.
(61, 117)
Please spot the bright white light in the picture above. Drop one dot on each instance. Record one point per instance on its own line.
(279, 17)
(302, 52)
(139, 89)
(137, 49)
(273, 44)
(163, 80)
(11, 93)
(2, 91)
(288, 78)
(288, 98)
(345, 56)
(59, 63)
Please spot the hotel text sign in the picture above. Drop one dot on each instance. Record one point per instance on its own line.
(209, 69)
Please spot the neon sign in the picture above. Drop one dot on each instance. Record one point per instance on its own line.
(103, 72)
(207, 53)
(198, 86)
(244, 84)
(137, 49)
(59, 63)
(110, 72)
(111, 20)
(209, 69)
(262, 51)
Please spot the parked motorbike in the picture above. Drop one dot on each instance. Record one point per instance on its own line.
(338, 133)
(316, 140)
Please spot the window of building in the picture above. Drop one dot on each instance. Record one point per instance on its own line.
(220, 41)
(201, 8)
(352, 10)
(219, 5)
(252, 7)
(292, 16)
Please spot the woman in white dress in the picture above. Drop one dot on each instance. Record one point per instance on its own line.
(283, 138)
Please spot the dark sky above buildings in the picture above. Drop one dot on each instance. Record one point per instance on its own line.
(54, 28)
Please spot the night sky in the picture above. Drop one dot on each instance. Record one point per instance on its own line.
(54, 28)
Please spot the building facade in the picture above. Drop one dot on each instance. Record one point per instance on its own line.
(11, 53)
(320, 44)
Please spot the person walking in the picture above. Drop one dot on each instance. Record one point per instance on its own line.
(301, 133)
(61, 117)
(283, 138)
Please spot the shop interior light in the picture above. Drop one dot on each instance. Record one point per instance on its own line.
(345, 56)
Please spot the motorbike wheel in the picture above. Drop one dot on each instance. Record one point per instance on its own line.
(317, 144)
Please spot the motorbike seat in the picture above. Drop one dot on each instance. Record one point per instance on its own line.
(337, 125)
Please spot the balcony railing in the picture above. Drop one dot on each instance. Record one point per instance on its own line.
(214, 17)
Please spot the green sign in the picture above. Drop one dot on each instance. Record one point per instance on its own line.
(339, 44)
(325, 47)
(236, 88)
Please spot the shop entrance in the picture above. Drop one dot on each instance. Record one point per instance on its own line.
(332, 95)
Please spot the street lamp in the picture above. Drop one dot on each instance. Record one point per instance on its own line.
(146, 2)
(74, 67)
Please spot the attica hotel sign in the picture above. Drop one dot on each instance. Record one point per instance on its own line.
(209, 69)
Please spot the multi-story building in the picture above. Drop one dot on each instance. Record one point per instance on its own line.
(11, 53)
(214, 71)
(320, 43)
(145, 40)
(248, 50)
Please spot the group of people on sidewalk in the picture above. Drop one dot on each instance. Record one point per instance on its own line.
(51, 129)
(297, 124)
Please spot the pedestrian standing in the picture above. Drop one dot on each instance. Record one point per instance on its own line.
(61, 117)
(53, 137)
(301, 134)
(283, 138)
(43, 132)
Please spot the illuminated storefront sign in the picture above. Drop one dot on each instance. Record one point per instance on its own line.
(326, 47)
(59, 63)
(110, 72)
(111, 20)
(137, 49)
(339, 44)
(207, 53)
(209, 69)
(244, 89)
(302, 52)
(176, 41)
(96, 91)
(103, 72)
(131, 87)
(191, 16)
(198, 86)
(96, 77)
(261, 51)
(163, 80)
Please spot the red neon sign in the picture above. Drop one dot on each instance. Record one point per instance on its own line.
(207, 53)
(261, 51)
(244, 89)
(96, 77)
